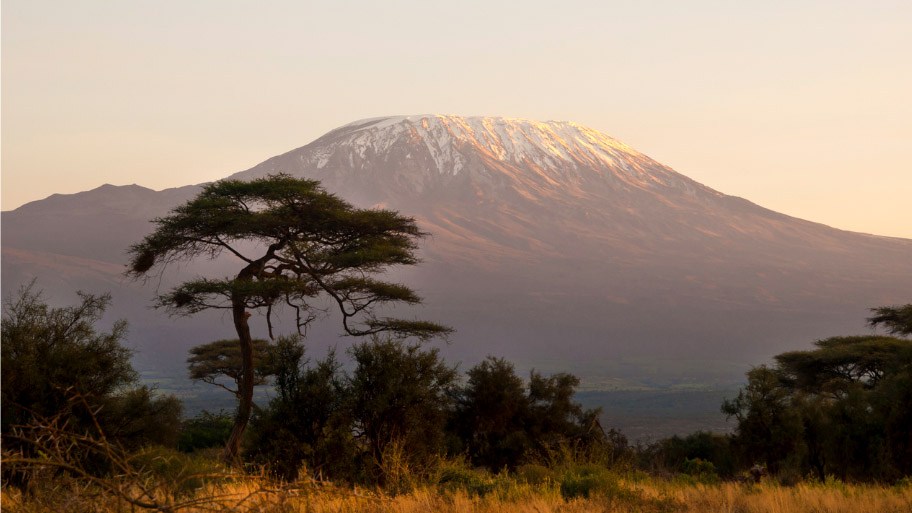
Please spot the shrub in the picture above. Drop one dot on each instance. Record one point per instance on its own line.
(457, 475)
(179, 472)
(534, 474)
(308, 425)
(585, 481)
(702, 471)
(205, 430)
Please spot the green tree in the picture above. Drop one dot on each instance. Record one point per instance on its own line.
(52, 355)
(296, 242)
(205, 430)
(501, 421)
(222, 358)
(308, 422)
(492, 415)
(555, 417)
(840, 409)
(896, 319)
(841, 363)
(769, 430)
(400, 394)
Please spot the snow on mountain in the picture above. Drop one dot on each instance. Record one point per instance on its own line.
(548, 240)
(425, 150)
(550, 145)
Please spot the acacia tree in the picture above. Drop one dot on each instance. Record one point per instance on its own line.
(222, 358)
(296, 242)
(896, 319)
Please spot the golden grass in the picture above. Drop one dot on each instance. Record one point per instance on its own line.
(642, 495)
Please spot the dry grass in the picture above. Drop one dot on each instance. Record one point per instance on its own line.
(641, 495)
(832, 497)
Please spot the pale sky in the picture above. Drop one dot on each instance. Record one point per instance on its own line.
(804, 107)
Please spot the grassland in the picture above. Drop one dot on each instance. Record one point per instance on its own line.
(581, 488)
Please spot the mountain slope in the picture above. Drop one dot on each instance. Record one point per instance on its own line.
(548, 241)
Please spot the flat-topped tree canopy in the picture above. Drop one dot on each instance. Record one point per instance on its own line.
(307, 243)
(314, 243)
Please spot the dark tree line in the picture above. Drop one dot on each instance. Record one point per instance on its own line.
(843, 409)
(402, 404)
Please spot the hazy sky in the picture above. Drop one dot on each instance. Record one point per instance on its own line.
(802, 107)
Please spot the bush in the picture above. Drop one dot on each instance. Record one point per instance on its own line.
(702, 471)
(206, 430)
(585, 481)
(308, 425)
(400, 393)
(457, 475)
(180, 473)
(57, 367)
(534, 474)
(903, 484)
(501, 422)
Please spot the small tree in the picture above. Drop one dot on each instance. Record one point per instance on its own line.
(768, 428)
(501, 420)
(309, 419)
(296, 242)
(492, 414)
(400, 398)
(52, 356)
(222, 358)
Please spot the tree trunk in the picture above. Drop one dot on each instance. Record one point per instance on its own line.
(245, 386)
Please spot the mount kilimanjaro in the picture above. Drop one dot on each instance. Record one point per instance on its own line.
(549, 241)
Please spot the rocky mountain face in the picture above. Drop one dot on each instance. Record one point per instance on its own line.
(549, 242)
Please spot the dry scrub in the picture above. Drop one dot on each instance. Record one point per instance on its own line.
(633, 495)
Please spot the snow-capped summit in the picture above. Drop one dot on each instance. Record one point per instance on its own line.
(547, 144)
(485, 154)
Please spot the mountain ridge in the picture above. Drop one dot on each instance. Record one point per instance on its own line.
(540, 246)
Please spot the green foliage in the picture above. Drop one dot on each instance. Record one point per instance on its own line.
(501, 423)
(534, 474)
(400, 394)
(46, 351)
(903, 484)
(842, 409)
(55, 362)
(308, 425)
(703, 471)
(588, 480)
(491, 416)
(204, 431)
(769, 430)
(896, 319)
(672, 454)
(296, 242)
(841, 363)
(137, 417)
(456, 475)
(401, 409)
(181, 473)
(555, 417)
(222, 358)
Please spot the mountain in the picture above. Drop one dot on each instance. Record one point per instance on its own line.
(551, 243)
